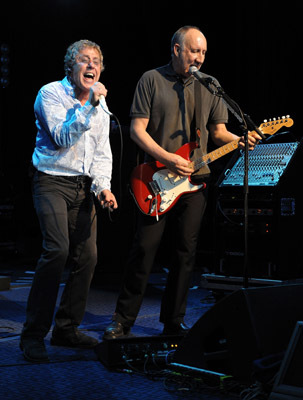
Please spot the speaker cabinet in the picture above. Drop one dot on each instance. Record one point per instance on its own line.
(289, 380)
(275, 214)
(242, 327)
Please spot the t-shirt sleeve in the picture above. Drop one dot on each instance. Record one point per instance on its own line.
(219, 112)
(141, 105)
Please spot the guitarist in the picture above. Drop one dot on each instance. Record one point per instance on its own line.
(168, 105)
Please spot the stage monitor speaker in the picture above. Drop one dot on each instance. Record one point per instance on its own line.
(288, 384)
(244, 326)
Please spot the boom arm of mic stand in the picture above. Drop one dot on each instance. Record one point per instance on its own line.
(235, 109)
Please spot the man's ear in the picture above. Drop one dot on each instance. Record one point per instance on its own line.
(177, 49)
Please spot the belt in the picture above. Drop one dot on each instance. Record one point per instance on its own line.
(76, 178)
(71, 178)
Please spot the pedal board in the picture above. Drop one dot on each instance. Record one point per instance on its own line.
(208, 376)
(135, 349)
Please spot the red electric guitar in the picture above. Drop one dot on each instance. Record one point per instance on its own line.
(156, 190)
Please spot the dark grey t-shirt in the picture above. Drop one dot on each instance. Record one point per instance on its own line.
(168, 101)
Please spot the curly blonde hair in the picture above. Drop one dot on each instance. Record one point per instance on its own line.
(74, 49)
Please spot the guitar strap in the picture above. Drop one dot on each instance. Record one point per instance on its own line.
(197, 107)
(204, 173)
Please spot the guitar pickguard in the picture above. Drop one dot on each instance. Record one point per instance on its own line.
(171, 187)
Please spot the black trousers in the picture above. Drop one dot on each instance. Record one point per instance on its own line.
(186, 217)
(66, 212)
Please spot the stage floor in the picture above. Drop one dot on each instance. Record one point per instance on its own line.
(79, 374)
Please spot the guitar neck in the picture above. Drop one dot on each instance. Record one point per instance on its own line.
(215, 155)
(269, 128)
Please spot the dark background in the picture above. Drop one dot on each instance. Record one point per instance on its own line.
(254, 50)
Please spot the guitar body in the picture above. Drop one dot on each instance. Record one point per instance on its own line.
(155, 189)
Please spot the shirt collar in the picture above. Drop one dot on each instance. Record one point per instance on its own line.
(68, 87)
(171, 72)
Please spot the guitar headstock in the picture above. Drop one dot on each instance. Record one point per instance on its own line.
(273, 125)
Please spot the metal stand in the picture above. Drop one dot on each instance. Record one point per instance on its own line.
(247, 125)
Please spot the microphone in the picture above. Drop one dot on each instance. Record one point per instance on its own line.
(206, 81)
(103, 105)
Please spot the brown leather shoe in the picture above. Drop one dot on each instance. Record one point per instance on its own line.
(115, 330)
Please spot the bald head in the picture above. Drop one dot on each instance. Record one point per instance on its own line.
(188, 47)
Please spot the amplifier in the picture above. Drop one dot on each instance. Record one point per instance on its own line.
(275, 214)
(135, 350)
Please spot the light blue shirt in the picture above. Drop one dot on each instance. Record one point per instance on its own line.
(72, 139)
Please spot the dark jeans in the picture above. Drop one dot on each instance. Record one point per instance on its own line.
(67, 217)
(186, 217)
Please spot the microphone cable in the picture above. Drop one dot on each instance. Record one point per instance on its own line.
(117, 125)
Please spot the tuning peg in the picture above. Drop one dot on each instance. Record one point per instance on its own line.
(283, 117)
(265, 121)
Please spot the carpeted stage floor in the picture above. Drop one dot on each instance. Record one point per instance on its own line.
(96, 374)
(79, 374)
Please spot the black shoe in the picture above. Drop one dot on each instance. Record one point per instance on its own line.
(175, 329)
(34, 349)
(115, 330)
(73, 338)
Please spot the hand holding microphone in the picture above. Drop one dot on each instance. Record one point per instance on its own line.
(96, 92)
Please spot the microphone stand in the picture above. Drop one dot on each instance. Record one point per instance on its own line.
(246, 125)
